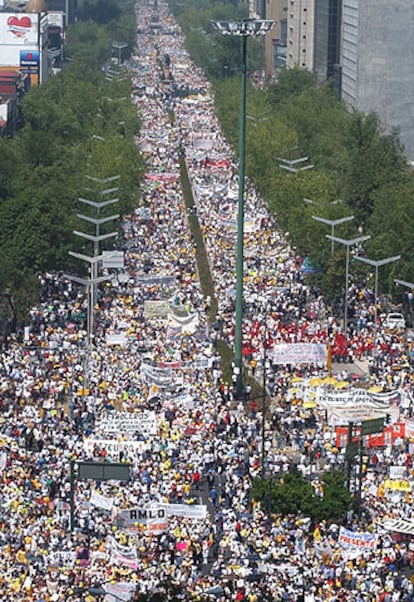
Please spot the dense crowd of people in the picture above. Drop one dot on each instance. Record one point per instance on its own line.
(148, 391)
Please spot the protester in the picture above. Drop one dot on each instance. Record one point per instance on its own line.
(150, 392)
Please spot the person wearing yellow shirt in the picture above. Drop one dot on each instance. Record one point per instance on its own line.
(21, 557)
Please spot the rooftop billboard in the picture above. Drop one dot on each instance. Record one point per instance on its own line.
(19, 29)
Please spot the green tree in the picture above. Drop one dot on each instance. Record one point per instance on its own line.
(291, 82)
(44, 165)
(293, 494)
(374, 159)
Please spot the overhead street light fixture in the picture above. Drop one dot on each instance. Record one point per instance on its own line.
(332, 223)
(103, 180)
(404, 283)
(98, 205)
(243, 28)
(312, 202)
(101, 192)
(377, 264)
(291, 165)
(96, 221)
(348, 243)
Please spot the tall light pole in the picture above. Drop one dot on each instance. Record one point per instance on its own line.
(332, 223)
(377, 264)
(348, 243)
(243, 28)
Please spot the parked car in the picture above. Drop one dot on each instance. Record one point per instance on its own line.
(394, 320)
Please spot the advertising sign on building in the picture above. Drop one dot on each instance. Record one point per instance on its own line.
(30, 64)
(55, 19)
(19, 29)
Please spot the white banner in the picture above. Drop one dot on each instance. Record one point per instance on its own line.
(401, 525)
(356, 543)
(162, 377)
(127, 422)
(397, 472)
(355, 405)
(119, 591)
(100, 501)
(113, 447)
(156, 308)
(123, 555)
(186, 324)
(196, 511)
(338, 416)
(152, 517)
(121, 560)
(409, 429)
(61, 558)
(356, 397)
(298, 353)
(116, 339)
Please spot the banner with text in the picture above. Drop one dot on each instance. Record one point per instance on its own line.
(101, 501)
(127, 422)
(112, 447)
(356, 543)
(152, 518)
(298, 353)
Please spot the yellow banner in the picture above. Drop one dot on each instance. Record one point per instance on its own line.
(397, 485)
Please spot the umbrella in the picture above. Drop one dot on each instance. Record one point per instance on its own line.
(329, 380)
(342, 384)
(375, 389)
(309, 404)
(315, 382)
(296, 379)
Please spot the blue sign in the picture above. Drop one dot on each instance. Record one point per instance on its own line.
(29, 58)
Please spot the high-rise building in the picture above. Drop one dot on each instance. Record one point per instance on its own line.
(327, 29)
(377, 62)
(276, 39)
(300, 34)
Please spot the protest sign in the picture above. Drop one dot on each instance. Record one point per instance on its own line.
(298, 353)
(196, 511)
(152, 518)
(101, 501)
(112, 447)
(127, 422)
(156, 308)
(397, 485)
(356, 543)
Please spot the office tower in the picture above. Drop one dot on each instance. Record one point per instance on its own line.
(377, 62)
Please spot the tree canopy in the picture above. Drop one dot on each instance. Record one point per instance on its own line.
(358, 168)
(77, 123)
(292, 494)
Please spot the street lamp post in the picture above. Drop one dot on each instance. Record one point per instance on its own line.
(244, 28)
(119, 46)
(409, 285)
(333, 223)
(348, 243)
(377, 264)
